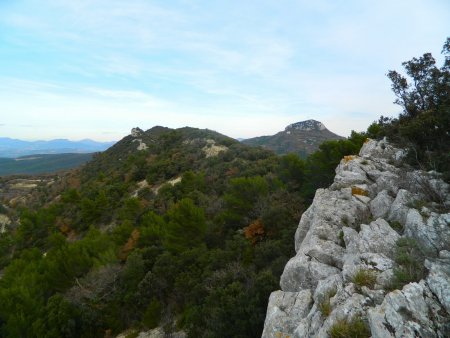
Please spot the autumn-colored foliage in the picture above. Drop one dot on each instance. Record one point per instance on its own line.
(130, 244)
(255, 231)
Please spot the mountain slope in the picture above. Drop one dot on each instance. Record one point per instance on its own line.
(176, 228)
(15, 148)
(163, 228)
(302, 138)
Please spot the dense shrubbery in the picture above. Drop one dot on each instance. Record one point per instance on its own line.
(201, 255)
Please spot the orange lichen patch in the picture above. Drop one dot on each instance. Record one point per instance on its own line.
(255, 231)
(349, 158)
(359, 191)
(130, 244)
(367, 140)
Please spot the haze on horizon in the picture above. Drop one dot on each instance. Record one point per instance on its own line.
(95, 69)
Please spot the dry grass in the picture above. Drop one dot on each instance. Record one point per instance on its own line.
(365, 278)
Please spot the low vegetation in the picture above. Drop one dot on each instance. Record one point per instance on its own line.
(353, 328)
(324, 305)
(410, 258)
(365, 278)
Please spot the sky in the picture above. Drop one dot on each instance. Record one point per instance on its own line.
(97, 68)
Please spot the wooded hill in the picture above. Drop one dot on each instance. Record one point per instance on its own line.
(190, 233)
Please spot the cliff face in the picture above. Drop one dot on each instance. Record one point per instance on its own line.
(354, 246)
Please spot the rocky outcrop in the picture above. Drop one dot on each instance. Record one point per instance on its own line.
(302, 138)
(346, 245)
(4, 223)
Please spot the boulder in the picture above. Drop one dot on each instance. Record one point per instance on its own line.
(399, 208)
(301, 272)
(432, 233)
(285, 311)
(438, 278)
(377, 237)
(380, 205)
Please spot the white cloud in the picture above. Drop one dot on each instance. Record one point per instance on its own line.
(241, 68)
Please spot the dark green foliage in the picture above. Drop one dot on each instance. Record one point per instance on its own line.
(152, 314)
(59, 319)
(242, 198)
(320, 166)
(186, 226)
(423, 124)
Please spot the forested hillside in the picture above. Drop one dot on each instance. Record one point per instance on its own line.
(183, 229)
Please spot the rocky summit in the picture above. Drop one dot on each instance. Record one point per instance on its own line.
(302, 138)
(307, 125)
(372, 255)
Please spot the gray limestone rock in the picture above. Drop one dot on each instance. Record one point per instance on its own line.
(399, 208)
(380, 205)
(302, 273)
(285, 311)
(438, 278)
(433, 233)
(404, 313)
(330, 211)
(388, 181)
(377, 237)
(333, 242)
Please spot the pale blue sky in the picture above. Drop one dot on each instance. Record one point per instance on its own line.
(94, 69)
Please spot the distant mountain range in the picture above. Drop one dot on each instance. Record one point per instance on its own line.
(15, 148)
(302, 138)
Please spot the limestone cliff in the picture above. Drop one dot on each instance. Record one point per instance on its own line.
(347, 253)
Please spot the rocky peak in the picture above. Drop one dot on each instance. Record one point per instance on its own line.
(307, 125)
(346, 242)
(136, 132)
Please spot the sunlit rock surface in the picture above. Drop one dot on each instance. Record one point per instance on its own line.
(353, 226)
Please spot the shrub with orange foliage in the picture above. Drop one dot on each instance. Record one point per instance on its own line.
(130, 244)
(255, 231)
